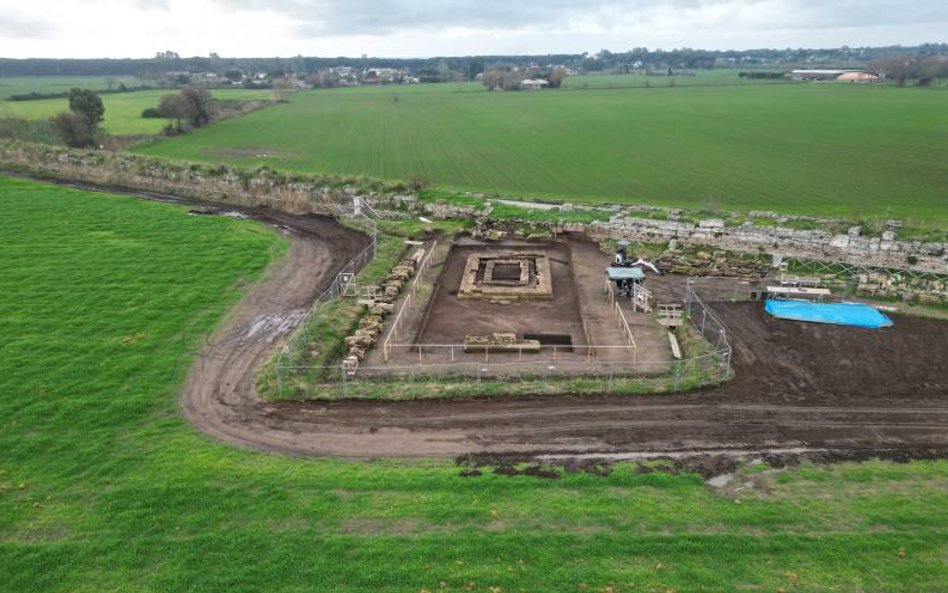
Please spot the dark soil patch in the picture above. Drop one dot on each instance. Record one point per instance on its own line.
(450, 319)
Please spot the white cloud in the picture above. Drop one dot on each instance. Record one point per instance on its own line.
(139, 28)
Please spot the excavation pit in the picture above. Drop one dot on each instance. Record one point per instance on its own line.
(545, 299)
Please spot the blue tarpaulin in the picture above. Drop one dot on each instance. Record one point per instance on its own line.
(857, 314)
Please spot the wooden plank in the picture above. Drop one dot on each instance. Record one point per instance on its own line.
(798, 291)
(676, 350)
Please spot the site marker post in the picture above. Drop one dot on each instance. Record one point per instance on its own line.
(345, 380)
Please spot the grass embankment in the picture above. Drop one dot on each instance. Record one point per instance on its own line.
(852, 151)
(123, 111)
(103, 487)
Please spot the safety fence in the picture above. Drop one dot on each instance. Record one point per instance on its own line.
(614, 302)
(411, 296)
(441, 371)
(538, 376)
(449, 353)
(708, 324)
(846, 269)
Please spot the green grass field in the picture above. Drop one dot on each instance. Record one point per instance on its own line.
(104, 487)
(22, 85)
(819, 149)
(123, 111)
(717, 77)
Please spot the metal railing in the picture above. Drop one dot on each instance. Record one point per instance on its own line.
(610, 291)
(449, 353)
(407, 302)
(705, 321)
(544, 375)
(554, 369)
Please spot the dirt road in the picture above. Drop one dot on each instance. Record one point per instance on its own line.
(798, 386)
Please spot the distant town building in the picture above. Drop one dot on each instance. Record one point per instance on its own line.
(531, 84)
(381, 75)
(857, 77)
(829, 74)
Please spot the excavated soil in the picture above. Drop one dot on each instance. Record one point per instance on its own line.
(801, 390)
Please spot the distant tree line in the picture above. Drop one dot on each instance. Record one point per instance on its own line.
(923, 70)
(761, 74)
(122, 88)
(467, 67)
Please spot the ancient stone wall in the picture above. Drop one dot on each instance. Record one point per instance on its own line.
(853, 247)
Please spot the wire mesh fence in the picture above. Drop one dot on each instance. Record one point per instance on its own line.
(705, 321)
(546, 372)
(460, 379)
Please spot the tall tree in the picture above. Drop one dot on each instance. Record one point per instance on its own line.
(190, 108)
(282, 87)
(87, 104)
(170, 107)
(197, 106)
(557, 76)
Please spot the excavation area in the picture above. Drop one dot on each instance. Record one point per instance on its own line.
(513, 308)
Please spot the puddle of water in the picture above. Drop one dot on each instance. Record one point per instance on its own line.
(720, 481)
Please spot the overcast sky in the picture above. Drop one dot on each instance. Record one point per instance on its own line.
(418, 28)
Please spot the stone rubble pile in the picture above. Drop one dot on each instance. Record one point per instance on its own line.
(707, 264)
(378, 307)
(500, 342)
(852, 246)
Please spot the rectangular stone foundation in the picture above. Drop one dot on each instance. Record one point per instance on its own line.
(489, 275)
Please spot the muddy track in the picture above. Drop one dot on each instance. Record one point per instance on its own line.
(798, 386)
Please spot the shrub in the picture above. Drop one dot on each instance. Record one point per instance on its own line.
(418, 182)
(29, 130)
(74, 129)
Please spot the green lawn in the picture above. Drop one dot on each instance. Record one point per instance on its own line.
(820, 149)
(104, 487)
(123, 111)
